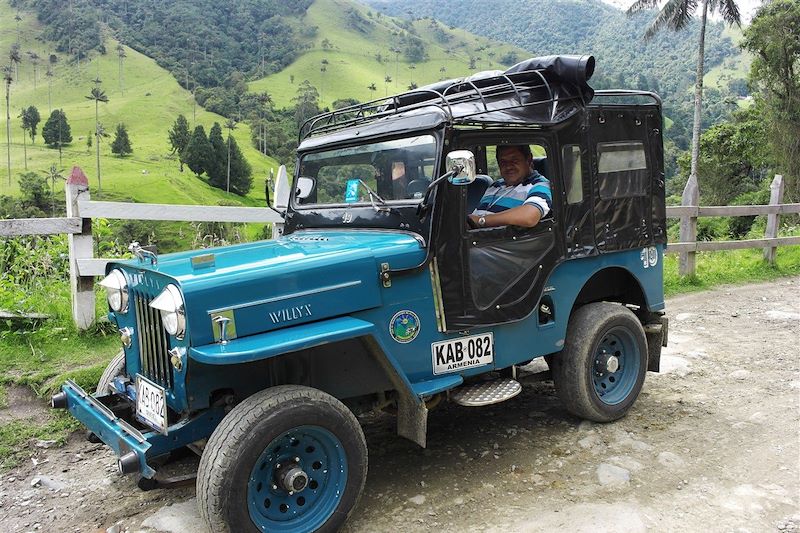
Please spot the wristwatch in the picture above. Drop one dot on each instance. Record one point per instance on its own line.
(481, 221)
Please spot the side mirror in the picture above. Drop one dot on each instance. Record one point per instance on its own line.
(304, 187)
(282, 189)
(462, 164)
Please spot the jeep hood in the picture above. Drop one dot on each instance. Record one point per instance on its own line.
(303, 277)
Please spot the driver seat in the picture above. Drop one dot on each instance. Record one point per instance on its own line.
(475, 191)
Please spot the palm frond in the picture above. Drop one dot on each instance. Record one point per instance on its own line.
(675, 15)
(728, 9)
(641, 5)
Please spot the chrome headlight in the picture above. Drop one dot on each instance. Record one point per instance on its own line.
(116, 290)
(173, 314)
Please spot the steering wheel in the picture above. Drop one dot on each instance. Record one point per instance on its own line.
(416, 188)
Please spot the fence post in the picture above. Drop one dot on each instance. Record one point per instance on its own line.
(80, 247)
(691, 198)
(775, 198)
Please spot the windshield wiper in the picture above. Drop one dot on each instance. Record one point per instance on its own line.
(374, 196)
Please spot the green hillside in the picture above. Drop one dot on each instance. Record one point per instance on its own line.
(356, 35)
(148, 105)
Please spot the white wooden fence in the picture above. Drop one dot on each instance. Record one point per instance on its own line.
(690, 210)
(84, 267)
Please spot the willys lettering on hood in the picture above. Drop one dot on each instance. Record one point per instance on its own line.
(307, 276)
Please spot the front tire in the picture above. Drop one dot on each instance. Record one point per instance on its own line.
(601, 370)
(115, 368)
(287, 459)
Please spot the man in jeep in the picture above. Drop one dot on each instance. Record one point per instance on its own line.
(522, 197)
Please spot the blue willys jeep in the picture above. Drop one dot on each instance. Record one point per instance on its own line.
(379, 294)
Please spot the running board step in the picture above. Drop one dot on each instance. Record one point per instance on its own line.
(486, 392)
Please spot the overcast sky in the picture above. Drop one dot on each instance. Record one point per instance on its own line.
(746, 7)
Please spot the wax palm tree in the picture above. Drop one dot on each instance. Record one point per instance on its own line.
(53, 174)
(34, 58)
(675, 15)
(49, 74)
(8, 77)
(231, 125)
(98, 95)
(121, 58)
(25, 129)
(15, 58)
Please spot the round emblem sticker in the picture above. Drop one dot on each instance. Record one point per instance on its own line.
(652, 256)
(404, 326)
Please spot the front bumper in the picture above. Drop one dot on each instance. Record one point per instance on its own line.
(105, 416)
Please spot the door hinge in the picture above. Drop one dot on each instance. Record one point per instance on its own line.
(386, 276)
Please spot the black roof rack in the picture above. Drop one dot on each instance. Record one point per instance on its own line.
(552, 81)
(624, 97)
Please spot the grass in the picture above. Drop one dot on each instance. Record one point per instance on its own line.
(148, 105)
(352, 66)
(730, 267)
(16, 435)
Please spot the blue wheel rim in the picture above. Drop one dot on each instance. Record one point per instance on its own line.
(614, 387)
(319, 454)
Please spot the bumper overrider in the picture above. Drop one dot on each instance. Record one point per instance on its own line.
(110, 418)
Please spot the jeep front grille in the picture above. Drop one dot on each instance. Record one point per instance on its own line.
(153, 343)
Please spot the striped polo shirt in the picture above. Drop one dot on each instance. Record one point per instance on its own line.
(534, 190)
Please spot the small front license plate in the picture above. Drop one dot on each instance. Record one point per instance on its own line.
(151, 404)
(462, 353)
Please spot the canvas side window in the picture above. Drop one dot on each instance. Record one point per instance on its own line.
(573, 177)
(622, 169)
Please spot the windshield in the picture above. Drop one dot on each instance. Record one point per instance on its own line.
(398, 171)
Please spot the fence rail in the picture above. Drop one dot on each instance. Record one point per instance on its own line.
(84, 267)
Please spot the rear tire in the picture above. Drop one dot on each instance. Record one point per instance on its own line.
(282, 437)
(601, 370)
(115, 368)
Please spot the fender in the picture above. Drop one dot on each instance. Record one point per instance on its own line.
(412, 413)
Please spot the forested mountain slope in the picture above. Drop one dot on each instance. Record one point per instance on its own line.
(543, 27)
(141, 95)
(665, 64)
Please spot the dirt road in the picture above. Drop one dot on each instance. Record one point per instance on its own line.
(713, 444)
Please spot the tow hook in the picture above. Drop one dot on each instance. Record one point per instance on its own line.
(59, 400)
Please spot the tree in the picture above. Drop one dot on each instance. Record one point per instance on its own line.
(372, 88)
(31, 118)
(216, 164)
(33, 190)
(24, 126)
(179, 137)
(15, 58)
(54, 174)
(98, 95)
(56, 131)
(306, 103)
(121, 146)
(241, 179)
(8, 77)
(773, 39)
(34, 58)
(121, 58)
(49, 75)
(198, 150)
(386, 81)
(733, 157)
(675, 15)
(230, 124)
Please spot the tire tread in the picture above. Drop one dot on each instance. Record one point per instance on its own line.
(219, 454)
